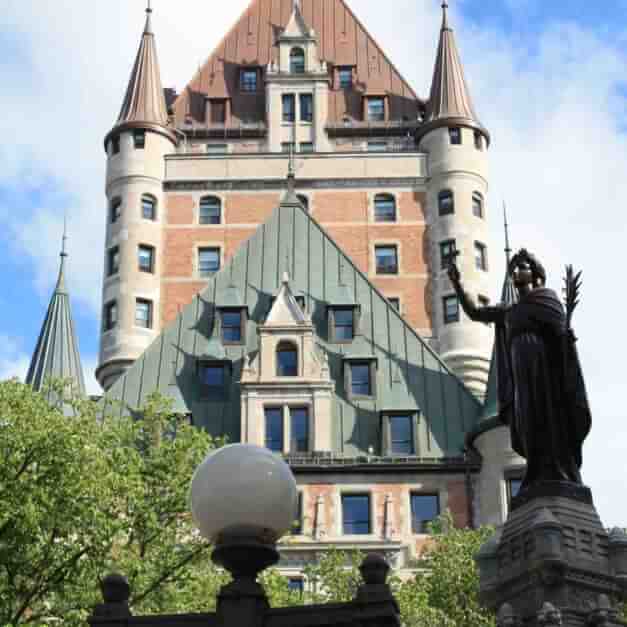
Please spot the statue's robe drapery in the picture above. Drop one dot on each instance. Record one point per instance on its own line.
(541, 392)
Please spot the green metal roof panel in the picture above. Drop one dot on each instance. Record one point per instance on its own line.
(409, 375)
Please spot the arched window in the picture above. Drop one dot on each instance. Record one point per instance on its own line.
(210, 210)
(149, 207)
(286, 360)
(297, 61)
(304, 201)
(446, 202)
(384, 208)
(477, 204)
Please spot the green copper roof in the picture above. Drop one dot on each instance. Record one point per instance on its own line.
(409, 375)
(56, 355)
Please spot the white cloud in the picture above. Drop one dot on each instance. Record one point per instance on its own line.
(551, 104)
(14, 361)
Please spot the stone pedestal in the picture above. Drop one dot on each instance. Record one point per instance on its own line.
(553, 563)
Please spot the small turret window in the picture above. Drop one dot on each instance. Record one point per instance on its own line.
(113, 261)
(446, 202)
(286, 360)
(297, 61)
(110, 315)
(210, 210)
(448, 252)
(384, 208)
(149, 207)
(478, 140)
(146, 258)
(451, 309)
(481, 256)
(143, 313)
(477, 205)
(115, 144)
(139, 139)
(455, 134)
(115, 210)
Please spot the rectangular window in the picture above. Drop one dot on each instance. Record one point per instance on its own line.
(288, 107)
(451, 309)
(306, 147)
(513, 488)
(287, 146)
(113, 261)
(425, 508)
(395, 301)
(208, 261)
(387, 259)
(306, 107)
(299, 426)
(478, 140)
(376, 109)
(481, 256)
(149, 208)
(401, 434)
(345, 77)
(146, 258)
(232, 327)
(143, 313)
(115, 145)
(448, 252)
(115, 210)
(296, 585)
(477, 205)
(360, 379)
(455, 134)
(356, 514)
(384, 208)
(377, 146)
(274, 429)
(343, 324)
(248, 80)
(216, 149)
(217, 111)
(209, 211)
(297, 525)
(139, 139)
(110, 315)
(212, 375)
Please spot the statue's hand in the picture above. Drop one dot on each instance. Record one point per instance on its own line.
(453, 274)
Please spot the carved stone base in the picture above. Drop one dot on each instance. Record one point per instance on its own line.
(553, 563)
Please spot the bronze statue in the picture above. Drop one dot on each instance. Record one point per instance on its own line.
(541, 392)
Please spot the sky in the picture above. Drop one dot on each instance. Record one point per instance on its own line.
(549, 81)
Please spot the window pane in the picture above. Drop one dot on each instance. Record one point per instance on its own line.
(115, 144)
(306, 147)
(448, 252)
(212, 376)
(356, 514)
(377, 146)
(210, 210)
(401, 435)
(145, 258)
(143, 313)
(513, 488)
(376, 110)
(480, 256)
(208, 261)
(360, 379)
(456, 135)
(424, 509)
(274, 429)
(139, 139)
(295, 584)
(297, 61)
(451, 309)
(306, 107)
(477, 205)
(478, 140)
(287, 358)
(288, 107)
(231, 326)
(346, 77)
(286, 146)
(113, 263)
(386, 260)
(116, 207)
(248, 80)
(216, 148)
(343, 324)
(110, 315)
(299, 430)
(384, 209)
(148, 207)
(446, 202)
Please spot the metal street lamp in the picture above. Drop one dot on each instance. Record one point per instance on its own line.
(243, 499)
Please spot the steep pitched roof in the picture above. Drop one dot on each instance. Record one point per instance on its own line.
(144, 103)
(342, 40)
(410, 376)
(450, 100)
(56, 354)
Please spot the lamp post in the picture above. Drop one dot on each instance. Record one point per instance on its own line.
(243, 499)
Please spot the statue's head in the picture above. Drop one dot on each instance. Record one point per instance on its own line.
(526, 270)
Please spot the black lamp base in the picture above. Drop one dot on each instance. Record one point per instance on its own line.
(244, 558)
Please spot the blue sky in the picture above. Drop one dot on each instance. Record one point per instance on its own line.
(548, 80)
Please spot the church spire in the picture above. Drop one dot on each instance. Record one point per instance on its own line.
(56, 354)
(449, 102)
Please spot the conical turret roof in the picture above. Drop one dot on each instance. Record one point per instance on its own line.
(56, 354)
(144, 104)
(449, 101)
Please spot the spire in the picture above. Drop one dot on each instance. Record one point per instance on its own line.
(144, 104)
(508, 250)
(449, 101)
(290, 198)
(56, 354)
(296, 26)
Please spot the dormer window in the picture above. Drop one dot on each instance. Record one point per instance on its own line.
(345, 77)
(248, 80)
(286, 360)
(375, 109)
(342, 323)
(212, 377)
(233, 325)
(297, 61)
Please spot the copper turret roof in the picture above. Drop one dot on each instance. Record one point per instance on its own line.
(56, 354)
(449, 101)
(144, 105)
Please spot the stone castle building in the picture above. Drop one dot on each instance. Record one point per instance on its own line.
(276, 249)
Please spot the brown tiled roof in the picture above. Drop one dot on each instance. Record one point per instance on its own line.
(342, 40)
(449, 101)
